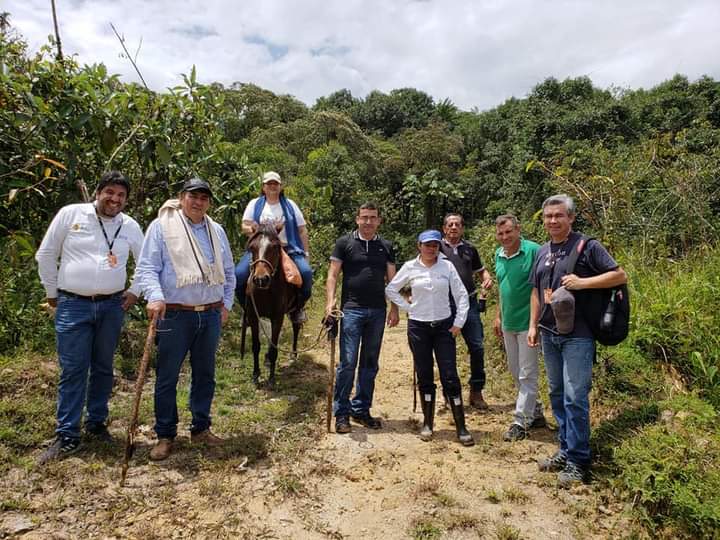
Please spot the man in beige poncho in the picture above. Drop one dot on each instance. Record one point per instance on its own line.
(186, 271)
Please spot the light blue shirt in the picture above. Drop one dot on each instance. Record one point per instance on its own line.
(157, 276)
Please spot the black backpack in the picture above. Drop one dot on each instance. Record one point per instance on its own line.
(606, 311)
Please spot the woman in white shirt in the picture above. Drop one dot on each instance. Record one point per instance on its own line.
(273, 207)
(432, 327)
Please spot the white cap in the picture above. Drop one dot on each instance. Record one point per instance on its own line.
(271, 176)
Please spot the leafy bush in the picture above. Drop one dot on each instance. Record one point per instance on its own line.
(22, 319)
(676, 318)
(672, 470)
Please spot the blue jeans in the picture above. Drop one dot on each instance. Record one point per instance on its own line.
(242, 273)
(426, 338)
(87, 335)
(361, 333)
(178, 333)
(568, 363)
(473, 334)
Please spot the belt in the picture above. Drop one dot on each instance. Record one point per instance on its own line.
(92, 298)
(431, 324)
(201, 307)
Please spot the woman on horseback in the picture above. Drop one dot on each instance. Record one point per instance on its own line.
(273, 207)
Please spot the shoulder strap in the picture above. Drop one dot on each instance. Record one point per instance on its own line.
(577, 250)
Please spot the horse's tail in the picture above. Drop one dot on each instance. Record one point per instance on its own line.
(243, 332)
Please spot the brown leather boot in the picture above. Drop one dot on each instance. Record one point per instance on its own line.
(161, 450)
(476, 400)
(207, 437)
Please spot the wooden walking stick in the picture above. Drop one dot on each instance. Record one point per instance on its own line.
(414, 390)
(132, 426)
(331, 325)
(415, 385)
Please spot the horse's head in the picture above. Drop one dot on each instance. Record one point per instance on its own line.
(264, 245)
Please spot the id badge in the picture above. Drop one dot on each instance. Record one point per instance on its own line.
(112, 260)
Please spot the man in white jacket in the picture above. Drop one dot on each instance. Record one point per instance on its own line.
(91, 242)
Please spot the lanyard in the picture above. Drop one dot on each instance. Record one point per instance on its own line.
(107, 240)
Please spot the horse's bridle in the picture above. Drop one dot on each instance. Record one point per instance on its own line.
(265, 262)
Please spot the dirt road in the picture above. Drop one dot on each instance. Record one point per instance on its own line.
(389, 484)
(291, 480)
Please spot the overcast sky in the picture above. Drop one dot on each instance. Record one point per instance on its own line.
(476, 53)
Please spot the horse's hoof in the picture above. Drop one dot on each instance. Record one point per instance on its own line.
(256, 379)
(293, 357)
(271, 383)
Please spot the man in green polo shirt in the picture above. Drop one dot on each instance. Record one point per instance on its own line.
(513, 265)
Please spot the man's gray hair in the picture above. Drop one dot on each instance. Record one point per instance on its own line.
(505, 218)
(561, 198)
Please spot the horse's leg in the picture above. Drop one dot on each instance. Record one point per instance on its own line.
(296, 333)
(292, 299)
(254, 326)
(243, 333)
(272, 353)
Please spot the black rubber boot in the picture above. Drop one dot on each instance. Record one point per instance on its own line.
(459, 415)
(427, 401)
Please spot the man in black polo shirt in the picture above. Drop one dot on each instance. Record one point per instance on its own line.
(367, 263)
(468, 264)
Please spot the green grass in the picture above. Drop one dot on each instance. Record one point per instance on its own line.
(424, 528)
(254, 419)
(672, 469)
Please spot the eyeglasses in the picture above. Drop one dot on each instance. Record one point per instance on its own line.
(367, 218)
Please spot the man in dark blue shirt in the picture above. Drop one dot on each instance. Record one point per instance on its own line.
(467, 262)
(367, 262)
(568, 355)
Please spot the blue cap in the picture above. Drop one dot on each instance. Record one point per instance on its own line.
(430, 235)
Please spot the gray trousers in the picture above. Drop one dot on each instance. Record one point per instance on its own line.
(523, 365)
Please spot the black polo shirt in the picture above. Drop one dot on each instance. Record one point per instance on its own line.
(364, 266)
(466, 260)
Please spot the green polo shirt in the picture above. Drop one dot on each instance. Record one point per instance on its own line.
(512, 275)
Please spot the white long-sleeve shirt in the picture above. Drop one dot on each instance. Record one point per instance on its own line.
(77, 241)
(430, 286)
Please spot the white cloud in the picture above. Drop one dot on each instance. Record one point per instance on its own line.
(477, 54)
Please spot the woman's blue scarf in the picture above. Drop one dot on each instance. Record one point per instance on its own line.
(291, 227)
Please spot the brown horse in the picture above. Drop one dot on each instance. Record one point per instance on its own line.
(268, 295)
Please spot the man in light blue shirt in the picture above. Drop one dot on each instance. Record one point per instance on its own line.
(187, 274)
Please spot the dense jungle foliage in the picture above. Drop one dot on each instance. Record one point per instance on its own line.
(643, 165)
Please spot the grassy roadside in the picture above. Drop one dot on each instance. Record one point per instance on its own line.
(263, 428)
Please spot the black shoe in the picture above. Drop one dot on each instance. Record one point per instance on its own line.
(539, 422)
(366, 420)
(99, 432)
(554, 463)
(571, 475)
(515, 433)
(61, 447)
(342, 424)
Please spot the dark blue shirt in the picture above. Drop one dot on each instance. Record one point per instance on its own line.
(549, 268)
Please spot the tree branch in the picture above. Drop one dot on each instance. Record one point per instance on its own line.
(57, 32)
(129, 57)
